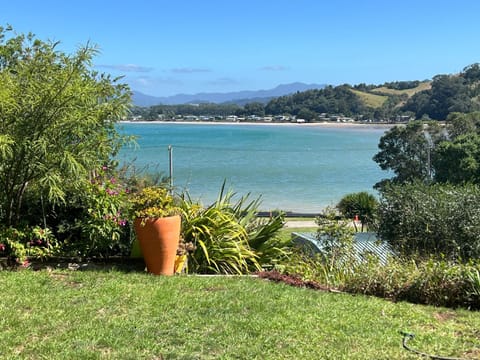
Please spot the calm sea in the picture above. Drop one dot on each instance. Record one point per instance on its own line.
(293, 168)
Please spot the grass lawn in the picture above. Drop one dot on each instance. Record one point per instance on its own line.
(116, 315)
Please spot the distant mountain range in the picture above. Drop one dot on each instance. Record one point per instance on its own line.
(238, 97)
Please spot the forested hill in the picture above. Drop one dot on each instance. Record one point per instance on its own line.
(432, 99)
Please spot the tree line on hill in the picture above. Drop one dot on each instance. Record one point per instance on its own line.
(400, 99)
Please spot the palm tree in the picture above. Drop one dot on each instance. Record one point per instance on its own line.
(361, 204)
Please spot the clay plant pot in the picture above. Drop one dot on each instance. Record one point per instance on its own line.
(158, 240)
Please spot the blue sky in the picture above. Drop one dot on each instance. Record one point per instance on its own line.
(190, 46)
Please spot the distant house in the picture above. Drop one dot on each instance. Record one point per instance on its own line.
(280, 118)
(403, 118)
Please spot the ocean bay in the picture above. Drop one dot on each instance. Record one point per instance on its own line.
(298, 168)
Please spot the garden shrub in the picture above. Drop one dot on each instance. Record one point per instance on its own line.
(431, 219)
(94, 223)
(19, 244)
(58, 119)
(433, 280)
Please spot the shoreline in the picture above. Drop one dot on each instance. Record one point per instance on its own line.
(336, 125)
(311, 188)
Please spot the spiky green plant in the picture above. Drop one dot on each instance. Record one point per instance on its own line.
(229, 237)
(221, 242)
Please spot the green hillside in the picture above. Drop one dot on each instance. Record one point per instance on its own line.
(425, 85)
(432, 99)
(371, 100)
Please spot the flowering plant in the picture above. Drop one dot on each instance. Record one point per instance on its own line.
(105, 198)
(20, 244)
(153, 202)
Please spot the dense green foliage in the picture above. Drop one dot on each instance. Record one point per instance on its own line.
(229, 238)
(362, 205)
(429, 280)
(432, 281)
(407, 151)
(57, 137)
(436, 219)
(429, 152)
(94, 220)
(402, 85)
(153, 202)
(334, 100)
(457, 160)
(57, 120)
(449, 93)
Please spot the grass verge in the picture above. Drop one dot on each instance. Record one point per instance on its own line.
(116, 315)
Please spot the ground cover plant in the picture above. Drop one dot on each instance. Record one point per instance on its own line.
(105, 315)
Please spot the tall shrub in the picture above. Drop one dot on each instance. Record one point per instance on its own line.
(57, 120)
(432, 219)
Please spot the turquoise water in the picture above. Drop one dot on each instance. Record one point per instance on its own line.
(293, 168)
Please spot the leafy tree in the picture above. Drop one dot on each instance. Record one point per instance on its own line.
(419, 103)
(57, 120)
(406, 150)
(254, 108)
(472, 73)
(458, 161)
(462, 124)
(449, 93)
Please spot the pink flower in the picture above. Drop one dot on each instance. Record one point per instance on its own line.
(2, 247)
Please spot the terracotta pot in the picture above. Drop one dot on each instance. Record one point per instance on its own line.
(159, 242)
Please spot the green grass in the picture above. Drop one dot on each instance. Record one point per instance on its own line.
(115, 315)
(422, 86)
(372, 100)
(286, 233)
